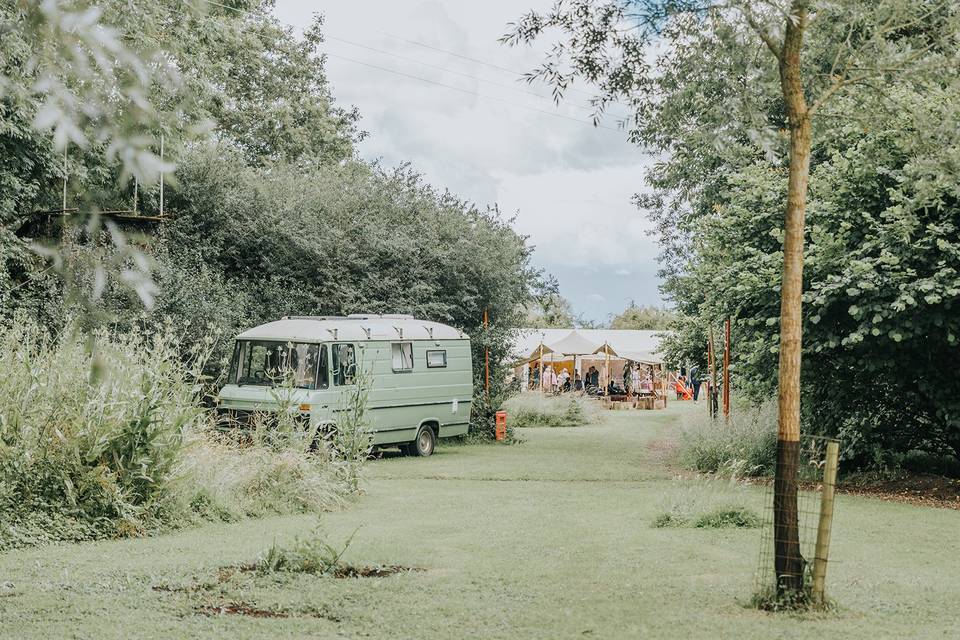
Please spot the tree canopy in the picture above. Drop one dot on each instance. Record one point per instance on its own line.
(879, 81)
(269, 211)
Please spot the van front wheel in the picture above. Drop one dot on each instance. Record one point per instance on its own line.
(424, 444)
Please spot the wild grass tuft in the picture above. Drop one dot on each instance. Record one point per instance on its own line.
(707, 504)
(312, 555)
(744, 446)
(537, 410)
(732, 516)
(92, 427)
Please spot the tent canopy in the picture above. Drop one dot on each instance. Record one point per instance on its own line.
(643, 357)
(575, 345)
(536, 354)
(606, 349)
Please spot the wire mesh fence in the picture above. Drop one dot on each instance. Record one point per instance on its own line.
(792, 562)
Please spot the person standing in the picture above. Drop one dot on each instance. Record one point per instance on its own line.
(695, 381)
(549, 379)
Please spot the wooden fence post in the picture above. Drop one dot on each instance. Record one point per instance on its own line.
(826, 521)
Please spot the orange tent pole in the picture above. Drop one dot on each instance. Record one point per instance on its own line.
(486, 355)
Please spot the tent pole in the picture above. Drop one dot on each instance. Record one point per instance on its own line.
(541, 367)
(607, 366)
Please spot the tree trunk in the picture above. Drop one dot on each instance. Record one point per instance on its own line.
(788, 561)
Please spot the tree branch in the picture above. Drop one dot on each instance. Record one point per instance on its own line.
(760, 30)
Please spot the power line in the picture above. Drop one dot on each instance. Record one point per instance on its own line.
(478, 61)
(414, 77)
(432, 48)
(452, 53)
(473, 93)
(453, 71)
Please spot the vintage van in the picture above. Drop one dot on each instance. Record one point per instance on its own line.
(419, 374)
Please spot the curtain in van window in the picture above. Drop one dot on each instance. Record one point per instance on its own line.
(402, 356)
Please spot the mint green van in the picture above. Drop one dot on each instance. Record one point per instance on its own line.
(420, 374)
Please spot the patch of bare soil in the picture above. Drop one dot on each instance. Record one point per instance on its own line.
(342, 570)
(920, 489)
(240, 608)
(925, 490)
(348, 571)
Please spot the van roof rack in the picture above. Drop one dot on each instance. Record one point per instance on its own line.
(355, 316)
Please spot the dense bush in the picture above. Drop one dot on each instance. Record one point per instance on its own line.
(249, 245)
(94, 425)
(104, 436)
(538, 410)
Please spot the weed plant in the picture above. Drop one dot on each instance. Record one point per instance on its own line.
(312, 555)
(537, 410)
(743, 447)
(707, 504)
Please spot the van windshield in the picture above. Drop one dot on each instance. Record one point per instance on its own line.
(268, 363)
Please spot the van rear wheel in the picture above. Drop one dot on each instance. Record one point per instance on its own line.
(424, 444)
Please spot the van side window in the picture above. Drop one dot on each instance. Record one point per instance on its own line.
(402, 356)
(344, 364)
(436, 358)
(323, 370)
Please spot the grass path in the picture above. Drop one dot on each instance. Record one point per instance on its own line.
(551, 538)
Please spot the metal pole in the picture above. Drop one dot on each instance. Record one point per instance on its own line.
(826, 521)
(161, 175)
(709, 369)
(726, 373)
(486, 355)
(66, 175)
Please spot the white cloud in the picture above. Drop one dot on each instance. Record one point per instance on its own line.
(569, 183)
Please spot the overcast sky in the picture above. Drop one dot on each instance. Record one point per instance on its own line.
(568, 184)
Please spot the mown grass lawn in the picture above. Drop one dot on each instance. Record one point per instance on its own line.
(551, 538)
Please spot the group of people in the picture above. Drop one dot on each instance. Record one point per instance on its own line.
(634, 381)
(555, 382)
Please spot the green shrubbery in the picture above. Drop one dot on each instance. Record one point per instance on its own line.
(744, 446)
(91, 432)
(707, 505)
(537, 410)
(732, 516)
(104, 436)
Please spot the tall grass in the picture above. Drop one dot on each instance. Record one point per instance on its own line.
(744, 446)
(92, 427)
(537, 410)
(104, 435)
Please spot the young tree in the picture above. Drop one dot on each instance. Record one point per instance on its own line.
(624, 47)
(643, 317)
